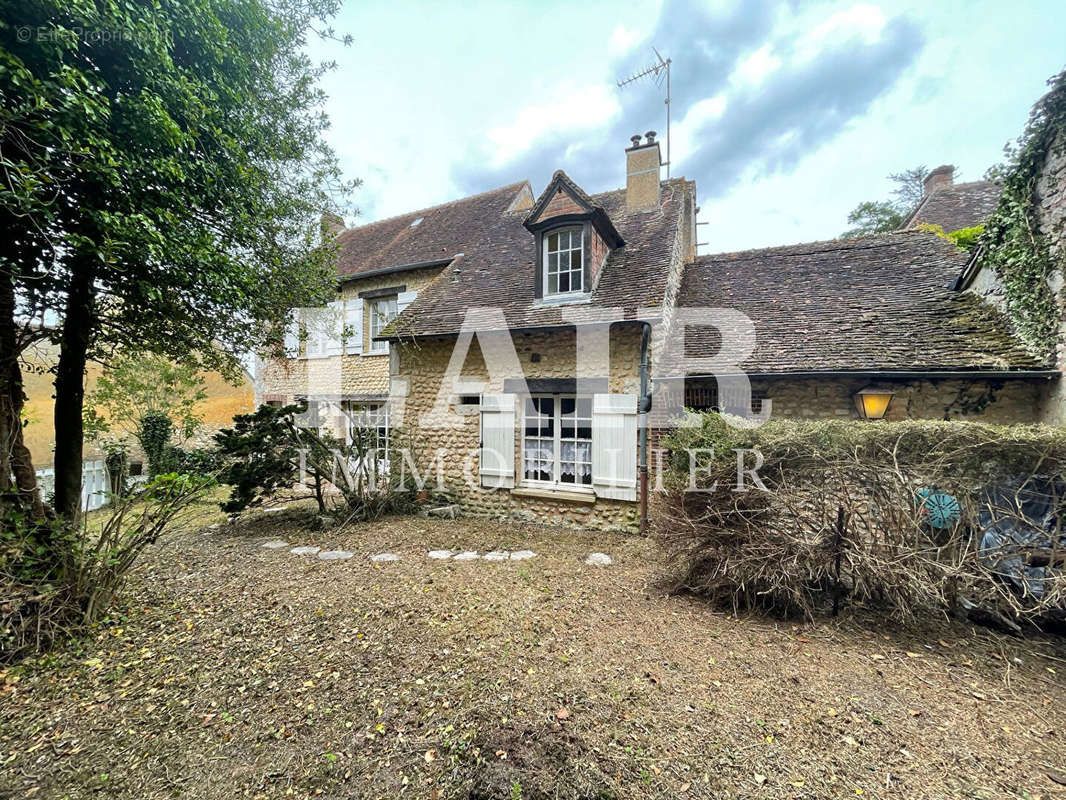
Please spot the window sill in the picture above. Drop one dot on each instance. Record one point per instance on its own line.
(571, 495)
(563, 299)
(372, 353)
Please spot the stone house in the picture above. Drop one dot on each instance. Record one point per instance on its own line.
(513, 345)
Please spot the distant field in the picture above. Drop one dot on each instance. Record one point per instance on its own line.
(222, 402)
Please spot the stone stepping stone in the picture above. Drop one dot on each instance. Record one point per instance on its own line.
(335, 555)
(306, 550)
(439, 554)
(275, 544)
(469, 555)
(598, 560)
(522, 555)
(497, 555)
(385, 557)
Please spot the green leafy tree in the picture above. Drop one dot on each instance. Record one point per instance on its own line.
(140, 384)
(883, 216)
(160, 190)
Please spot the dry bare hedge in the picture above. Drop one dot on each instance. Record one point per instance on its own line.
(843, 517)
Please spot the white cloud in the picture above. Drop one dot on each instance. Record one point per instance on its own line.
(576, 108)
(753, 68)
(622, 40)
(862, 22)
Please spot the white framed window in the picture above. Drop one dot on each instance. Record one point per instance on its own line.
(383, 310)
(564, 262)
(557, 440)
(373, 416)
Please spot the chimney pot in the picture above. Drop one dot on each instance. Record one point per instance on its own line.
(942, 176)
(635, 140)
(650, 136)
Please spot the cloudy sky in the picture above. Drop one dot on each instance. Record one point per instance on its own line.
(786, 114)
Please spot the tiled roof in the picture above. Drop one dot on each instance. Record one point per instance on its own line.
(961, 205)
(496, 269)
(872, 303)
(443, 232)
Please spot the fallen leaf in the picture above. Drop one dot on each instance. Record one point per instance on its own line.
(760, 779)
(561, 713)
(430, 756)
(685, 787)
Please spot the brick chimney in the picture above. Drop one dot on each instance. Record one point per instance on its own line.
(642, 174)
(332, 224)
(942, 176)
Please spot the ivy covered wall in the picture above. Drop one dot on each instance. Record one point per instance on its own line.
(1023, 244)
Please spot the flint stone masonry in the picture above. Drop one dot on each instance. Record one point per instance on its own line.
(422, 365)
(984, 401)
(470, 555)
(598, 560)
(383, 557)
(306, 550)
(439, 554)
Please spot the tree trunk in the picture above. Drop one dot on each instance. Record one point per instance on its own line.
(70, 389)
(15, 459)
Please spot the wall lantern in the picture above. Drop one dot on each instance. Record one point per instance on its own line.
(872, 402)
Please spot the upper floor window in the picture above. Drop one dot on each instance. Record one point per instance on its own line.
(564, 262)
(382, 311)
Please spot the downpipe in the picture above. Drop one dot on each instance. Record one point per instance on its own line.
(643, 408)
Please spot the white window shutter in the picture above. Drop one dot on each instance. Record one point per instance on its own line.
(292, 339)
(496, 466)
(353, 321)
(404, 299)
(335, 329)
(614, 446)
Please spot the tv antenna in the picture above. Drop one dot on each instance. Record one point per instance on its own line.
(658, 71)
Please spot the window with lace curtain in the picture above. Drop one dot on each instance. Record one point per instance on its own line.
(557, 440)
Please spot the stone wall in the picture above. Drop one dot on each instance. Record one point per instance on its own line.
(422, 364)
(985, 401)
(357, 376)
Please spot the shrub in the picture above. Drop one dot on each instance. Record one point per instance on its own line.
(154, 435)
(56, 578)
(847, 512)
(267, 451)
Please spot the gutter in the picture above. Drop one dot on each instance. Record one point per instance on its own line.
(374, 273)
(396, 337)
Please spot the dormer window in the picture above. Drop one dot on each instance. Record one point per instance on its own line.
(564, 261)
(573, 237)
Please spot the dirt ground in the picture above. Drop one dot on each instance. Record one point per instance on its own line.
(231, 670)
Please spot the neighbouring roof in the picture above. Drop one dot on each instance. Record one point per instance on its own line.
(878, 302)
(497, 266)
(961, 205)
(441, 233)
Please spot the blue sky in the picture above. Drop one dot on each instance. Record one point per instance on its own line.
(786, 114)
